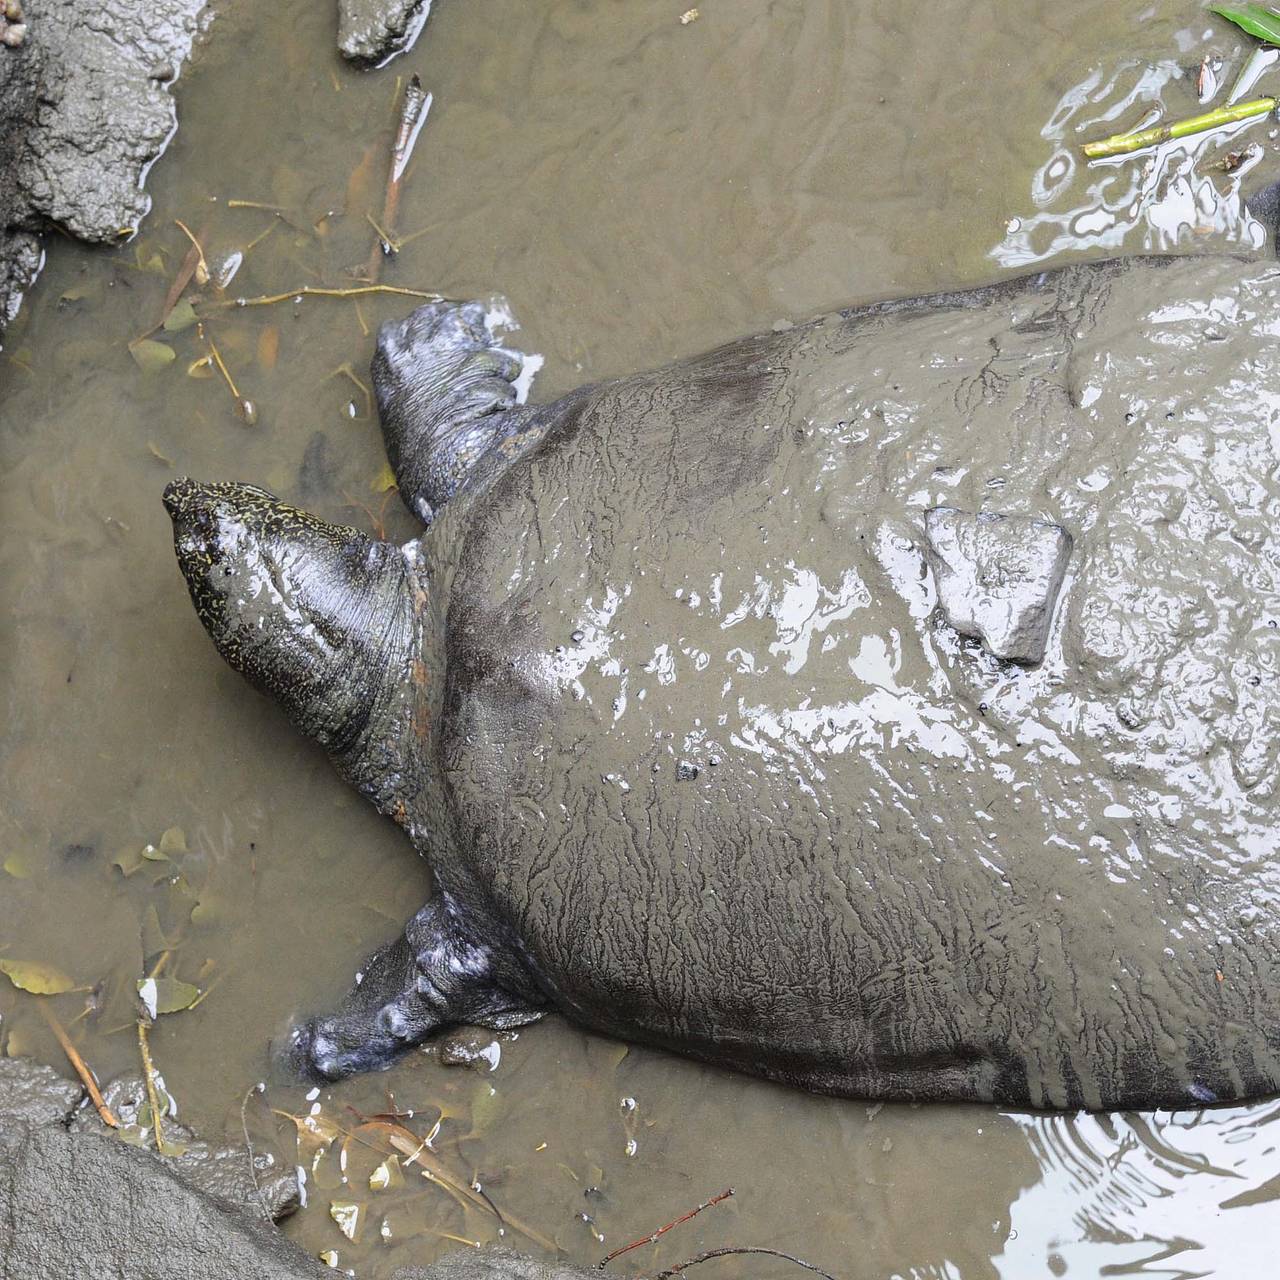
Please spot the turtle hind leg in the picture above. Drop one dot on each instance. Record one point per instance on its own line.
(433, 976)
(445, 389)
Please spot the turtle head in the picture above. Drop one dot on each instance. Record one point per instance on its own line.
(317, 615)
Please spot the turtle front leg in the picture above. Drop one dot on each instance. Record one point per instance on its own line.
(446, 397)
(432, 976)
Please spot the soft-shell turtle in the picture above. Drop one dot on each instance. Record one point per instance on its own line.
(668, 695)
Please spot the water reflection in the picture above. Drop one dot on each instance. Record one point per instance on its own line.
(1173, 197)
(1175, 1195)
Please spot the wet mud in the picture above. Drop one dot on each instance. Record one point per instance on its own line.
(636, 188)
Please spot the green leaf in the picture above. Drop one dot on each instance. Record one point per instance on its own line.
(17, 866)
(129, 861)
(166, 995)
(150, 355)
(183, 316)
(173, 841)
(1261, 20)
(39, 979)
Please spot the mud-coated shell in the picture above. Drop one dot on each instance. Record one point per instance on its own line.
(713, 758)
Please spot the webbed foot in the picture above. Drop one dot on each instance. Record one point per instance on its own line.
(444, 386)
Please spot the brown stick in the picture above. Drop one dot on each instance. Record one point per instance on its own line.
(82, 1070)
(662, 1231)
(413, 114)
(149, 1071)
(724, 1253)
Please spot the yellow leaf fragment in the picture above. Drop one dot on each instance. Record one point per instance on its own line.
(347, 1215)
(385, 481)
(387, 1174)
(39, 979)
(688, 16)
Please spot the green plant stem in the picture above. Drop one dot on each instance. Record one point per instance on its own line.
(1123, 143)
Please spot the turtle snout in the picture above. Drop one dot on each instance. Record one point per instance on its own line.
(184, 498)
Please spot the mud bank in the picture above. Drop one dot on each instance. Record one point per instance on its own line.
(77, 1200)
(372, 31)
(86, 102)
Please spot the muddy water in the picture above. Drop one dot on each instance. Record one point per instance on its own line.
(638, 189)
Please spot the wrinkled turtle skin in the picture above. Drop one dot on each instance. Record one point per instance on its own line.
(666, 696)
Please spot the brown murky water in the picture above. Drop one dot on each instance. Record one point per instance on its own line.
(639, 190)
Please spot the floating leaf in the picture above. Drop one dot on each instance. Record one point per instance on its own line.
(329, 1257)
(183, 316)
(202, 368)
(1261, 20)
(152, 854)
(150, 355)
(347, 1216)
(18, 867)
(387, 1174)
(128, 861)
(166, 995)
(385, 481)
(173, 841)
(39, 979)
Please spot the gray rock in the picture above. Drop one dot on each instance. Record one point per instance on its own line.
(371, 31)
(87, 109)
(218, 1170)
(77, 1201)
(75, 1204)
(998, 577)
(31, 1093)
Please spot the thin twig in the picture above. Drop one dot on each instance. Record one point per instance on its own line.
(82, 1069)
(724, 1253)
(153, 1097)
(662, 1231)
(248, 1146)
(315, 291)
(202, 272)
(246, 410)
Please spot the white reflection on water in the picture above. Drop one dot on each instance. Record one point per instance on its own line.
(1166, 1194)
(1169, 197)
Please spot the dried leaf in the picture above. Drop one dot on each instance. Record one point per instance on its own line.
(183, 316)
(150, 355)
(387, 1174)
(1260, 20)
(166, 995)
(39, 979)
(347, 1215)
